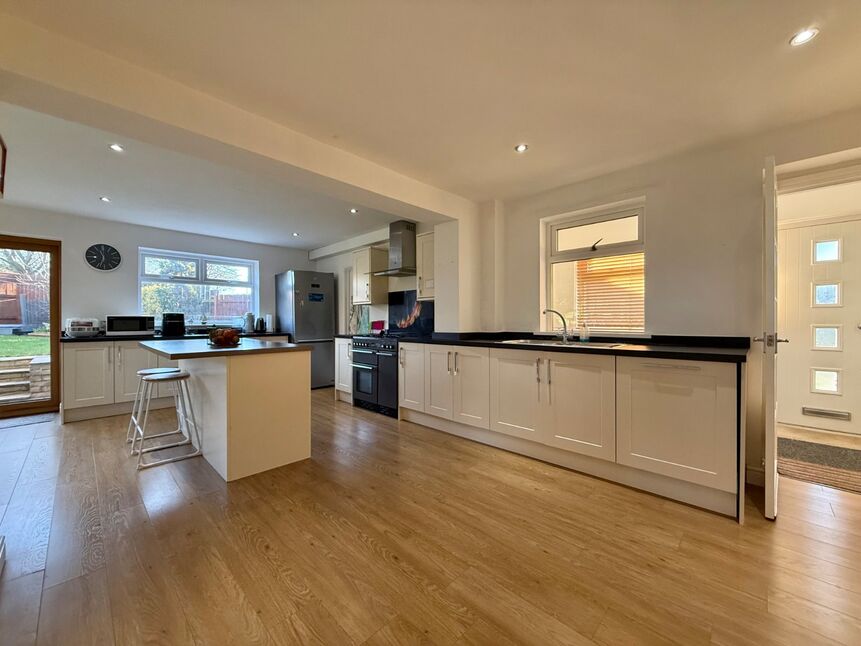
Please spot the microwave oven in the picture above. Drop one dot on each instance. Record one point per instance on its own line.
(129, 325)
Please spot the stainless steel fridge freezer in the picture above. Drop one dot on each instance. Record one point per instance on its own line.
(305, 306)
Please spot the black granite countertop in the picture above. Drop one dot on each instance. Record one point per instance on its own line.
(157, 337)
(693, 348)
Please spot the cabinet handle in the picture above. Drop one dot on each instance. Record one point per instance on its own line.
(548, 381)
(674, 366)
(350, 350)
(455, 363)
(448, 362)
(401, 357)
(119, 357)
(538, 378)
(385, 354)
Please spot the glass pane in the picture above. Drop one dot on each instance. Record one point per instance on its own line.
(227, 271)
(826, 251)
(167, 266)
(25, 334)
(826, 337)
(826, 294)
(219, 303)
(602, 233)
(564, 278)
(825, 381)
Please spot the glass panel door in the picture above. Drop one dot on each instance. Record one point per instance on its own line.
(29, 325)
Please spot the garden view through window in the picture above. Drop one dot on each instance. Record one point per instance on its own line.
(205, 288)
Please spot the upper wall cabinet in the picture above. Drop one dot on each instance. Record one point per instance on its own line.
(367, 288)
(424, 267)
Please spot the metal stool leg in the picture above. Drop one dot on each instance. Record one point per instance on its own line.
(183, 405)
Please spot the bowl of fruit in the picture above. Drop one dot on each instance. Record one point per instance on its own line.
(224, 337)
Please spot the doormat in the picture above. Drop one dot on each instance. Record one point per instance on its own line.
(29, 419)
(832, 466)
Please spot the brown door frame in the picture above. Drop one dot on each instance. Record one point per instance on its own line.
(54, 247)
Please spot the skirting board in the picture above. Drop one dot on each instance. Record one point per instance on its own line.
(722, 502)
(756, 476)
(109, 410)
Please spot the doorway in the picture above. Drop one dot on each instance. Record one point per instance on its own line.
(818, 376)
(29, 326)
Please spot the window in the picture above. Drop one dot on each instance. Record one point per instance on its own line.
(826, 295)
(826, 251)
(219, 289)
(826, 337)
(825, 381)
(596, 269)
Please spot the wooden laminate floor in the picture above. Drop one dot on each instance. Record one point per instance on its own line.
(397, 534)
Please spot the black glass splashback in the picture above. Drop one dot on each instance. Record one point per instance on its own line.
(409, 316)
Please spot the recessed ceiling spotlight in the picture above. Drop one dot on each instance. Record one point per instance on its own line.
(105, 198)
(295, 235)
(521, 148)
(804, 36)
(116, 148)
(354, 211)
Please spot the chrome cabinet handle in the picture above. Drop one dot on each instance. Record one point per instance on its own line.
(361, 367)
(548, 372)
(119, 356)
(401, 357)
(448, 362)
(385, 354)
(455, 363)
(538, 377)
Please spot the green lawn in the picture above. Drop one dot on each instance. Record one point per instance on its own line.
(24, 346)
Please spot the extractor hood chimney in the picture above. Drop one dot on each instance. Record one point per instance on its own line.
(402, 250)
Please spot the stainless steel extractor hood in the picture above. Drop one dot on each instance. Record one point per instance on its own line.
(402, 250)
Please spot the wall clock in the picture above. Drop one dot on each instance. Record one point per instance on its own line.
(103, 257)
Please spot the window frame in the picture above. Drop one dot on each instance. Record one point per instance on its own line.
(593, 215)
(820, 348)
(201, 261)
(833, 393)
(815, 241)
(816, 283)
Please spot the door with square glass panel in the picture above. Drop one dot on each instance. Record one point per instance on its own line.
(29, 325)
(819, 283)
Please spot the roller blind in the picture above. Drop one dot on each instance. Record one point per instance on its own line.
(609, 293)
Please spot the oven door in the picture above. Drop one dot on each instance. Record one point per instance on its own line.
(364, 383)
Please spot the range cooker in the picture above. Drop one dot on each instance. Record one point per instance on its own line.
(375, 374)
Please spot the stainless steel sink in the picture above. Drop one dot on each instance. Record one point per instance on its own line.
(559, 343)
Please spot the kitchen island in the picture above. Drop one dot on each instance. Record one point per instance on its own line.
(252, 402)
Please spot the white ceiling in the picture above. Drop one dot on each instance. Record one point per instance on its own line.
(442, 91)
(64, 166)
(840, 200)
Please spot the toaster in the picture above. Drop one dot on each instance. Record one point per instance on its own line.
(80, 327)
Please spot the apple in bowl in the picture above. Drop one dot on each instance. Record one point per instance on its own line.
(224, 337)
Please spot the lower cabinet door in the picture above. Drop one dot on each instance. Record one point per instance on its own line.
(343, 365)
(580, 408)
(470, 371)
(130, 358)
(515, 393)
(88, 374)
(438, 380)
(679, 419)
(411, 376)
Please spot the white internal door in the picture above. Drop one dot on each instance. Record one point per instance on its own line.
(769, 338)
(820, 310)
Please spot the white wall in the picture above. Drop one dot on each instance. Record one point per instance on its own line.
(87, 292)
(703, 237)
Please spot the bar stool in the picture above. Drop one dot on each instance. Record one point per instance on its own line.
(138, 399)
(185, 419)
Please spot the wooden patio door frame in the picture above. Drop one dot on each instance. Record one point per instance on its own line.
(53, 247)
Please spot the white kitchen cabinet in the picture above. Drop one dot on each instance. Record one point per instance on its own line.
(411, 376)
(438, 381)
(678, 419)
(343, 365)
(515, 393)
(367, 288)
(424, 266)
(579, 411)
(129, 358)
(470, 386)
(88, 374)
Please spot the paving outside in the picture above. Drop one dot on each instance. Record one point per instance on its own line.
(25, 368)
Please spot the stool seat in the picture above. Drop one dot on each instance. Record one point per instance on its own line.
(156, 371)
(162, 377)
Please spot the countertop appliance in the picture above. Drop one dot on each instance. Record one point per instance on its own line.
(82, 327)
(119, 325)
(172, 324)
(375, 374)
(305, 307)
(402, 249)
